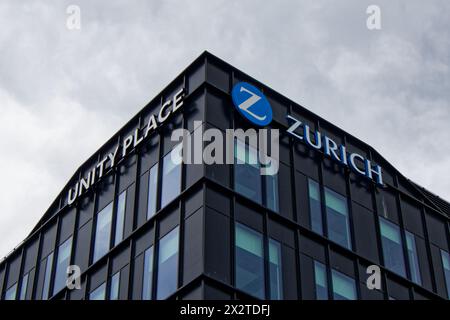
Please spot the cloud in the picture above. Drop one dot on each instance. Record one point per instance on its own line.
(63, 93)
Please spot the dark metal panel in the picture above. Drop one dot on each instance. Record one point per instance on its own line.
(217, 245)
(365, 233)
(193, 259)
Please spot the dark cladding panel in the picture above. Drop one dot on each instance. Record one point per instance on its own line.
(412, 218)
(127, 172)
(196, 76)
(142, 200)
(67, 225)
(387, 205)
(289, 267)
(285, 191)
(306, 161)
(48, 243)
(195, 293)
(396, 290)
(213, 293)
(280, 107)
(194, 110)
(307, 277)
(281, 233)
(83, 246)
(13, 269)
(334, 176)
(149, 154)
(251, 218)
(138, 277)
(193, 247)
(86, 210)
(106, 192)
(342, 264)
(193, 201)
(143, 242)
(98, 277)
(218, 112)
(120, 260)
(437, 230)
(129, 210)
(365, 232)
(31, 252)
(218, 201)
(302, 200)
(424, 264)
(218, 76)
(218, 246)
(169, 222)
(312, 249)
(360, 189)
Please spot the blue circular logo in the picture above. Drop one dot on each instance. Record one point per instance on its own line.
(252, 104)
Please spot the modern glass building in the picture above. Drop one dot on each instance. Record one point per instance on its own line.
(142, 226)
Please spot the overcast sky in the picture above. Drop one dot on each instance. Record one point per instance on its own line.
(64, 92)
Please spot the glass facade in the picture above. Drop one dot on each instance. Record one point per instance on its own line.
(247, 177)
(248, 180)
(337, 218)
(47, 276)
(321, 281)
(315, 208)
(24, 287)
(413, 258)
(168, 264)
(63, 261)
(120, 217)
(171, 176)
(99, 293)
(148, 274)
(152, 191)
(11, 293)
(103, 232)
(391, 240)
(344, 287)
(114, 290)
(446, 266)
(230, 232)
(275, 275)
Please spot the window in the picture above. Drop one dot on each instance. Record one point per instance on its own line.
(120, 218)
(248, 180)
(315, 209)
(171, 176)
(63, 261)
(47, 276)
(320, 275)
(23, 287)
(412, 258)
(249, 261)
(168, 264)
(343, 286)
(276, 280)
(99, 293)
(103, 232)
(392, 247)
(152, 191)
(148, 274)
(247, 177)
(272, 192)
(337, 218)
(446, 265)
(10, 294)
(114, 291)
